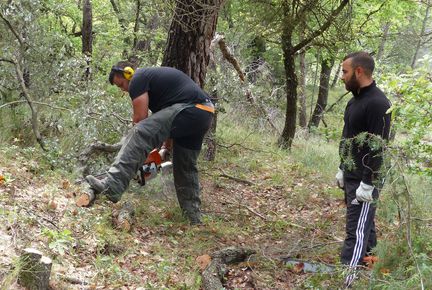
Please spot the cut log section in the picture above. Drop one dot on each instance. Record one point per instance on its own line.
(125, 217)
(215, 271)
(86, 198)
(35, 270)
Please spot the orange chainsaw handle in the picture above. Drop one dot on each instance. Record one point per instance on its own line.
(154, 156)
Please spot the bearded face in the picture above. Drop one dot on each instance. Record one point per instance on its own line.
(352, 83)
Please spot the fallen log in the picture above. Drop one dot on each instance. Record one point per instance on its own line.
(93, 148)
(35, 270)
(215, 271)
(86, 198)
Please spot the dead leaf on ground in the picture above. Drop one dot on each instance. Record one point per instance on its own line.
(65, 184)
(52, 204)
(385, 271)
(2, 179)
(203, 261)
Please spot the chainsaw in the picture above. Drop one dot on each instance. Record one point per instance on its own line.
(153, 165)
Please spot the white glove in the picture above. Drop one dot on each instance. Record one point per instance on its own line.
(364, 192)
(340, 178)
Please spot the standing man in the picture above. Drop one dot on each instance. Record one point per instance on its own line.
(181, 110)
(358, 174)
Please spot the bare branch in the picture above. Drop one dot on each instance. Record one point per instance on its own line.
(7, 60)
(368, 16)
(9, 25)
(323, 27)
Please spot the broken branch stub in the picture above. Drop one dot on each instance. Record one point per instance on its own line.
(35, 270)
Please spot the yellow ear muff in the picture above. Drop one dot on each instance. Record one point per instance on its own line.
(128, 72)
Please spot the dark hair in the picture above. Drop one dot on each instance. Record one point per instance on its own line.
(363, 59)
(118, 70)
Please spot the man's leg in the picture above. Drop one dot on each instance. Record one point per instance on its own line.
(372, 242)
(359, 222)
(144, 137)
(186, 181)
(188, 130)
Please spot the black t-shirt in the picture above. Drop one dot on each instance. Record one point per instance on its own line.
(165, 86)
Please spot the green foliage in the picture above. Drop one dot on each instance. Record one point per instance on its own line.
(59, 242)
(412, 115)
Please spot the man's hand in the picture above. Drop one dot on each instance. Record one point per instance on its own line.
(364, 192)
(340, 178)
(164, 153)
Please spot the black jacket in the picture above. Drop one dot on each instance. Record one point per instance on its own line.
(361, 159)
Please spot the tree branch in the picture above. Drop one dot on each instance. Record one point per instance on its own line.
(323, 27)
(7, 60)
(9, 25)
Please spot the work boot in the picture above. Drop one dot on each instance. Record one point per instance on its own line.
(194, 218)
(96, 184)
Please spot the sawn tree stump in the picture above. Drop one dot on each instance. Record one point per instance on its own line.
(35, 270)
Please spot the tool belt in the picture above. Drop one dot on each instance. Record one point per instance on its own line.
(209, 107)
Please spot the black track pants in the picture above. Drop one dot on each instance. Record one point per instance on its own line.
(360, 226)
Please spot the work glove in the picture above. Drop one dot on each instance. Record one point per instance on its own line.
(364, 192)
(340, 178)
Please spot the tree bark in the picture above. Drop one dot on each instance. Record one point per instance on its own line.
(288, 132)
(87, 35)
(326, 67)
(189, 45)
(336, 77)
(190, 35)
(302, 90)
(87, 28)
(302, 79)
(211, 134)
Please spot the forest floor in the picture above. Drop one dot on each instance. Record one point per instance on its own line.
(278, 212)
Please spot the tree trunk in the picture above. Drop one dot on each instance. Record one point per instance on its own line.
(211, 134)
(87, 35)
(190, 35)
(336, 76)
(288, 133)
(33, 108)
(422, 32)
(326, 67)
(302, 90)
(189, 45)
(87, 28)
(386, 30)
